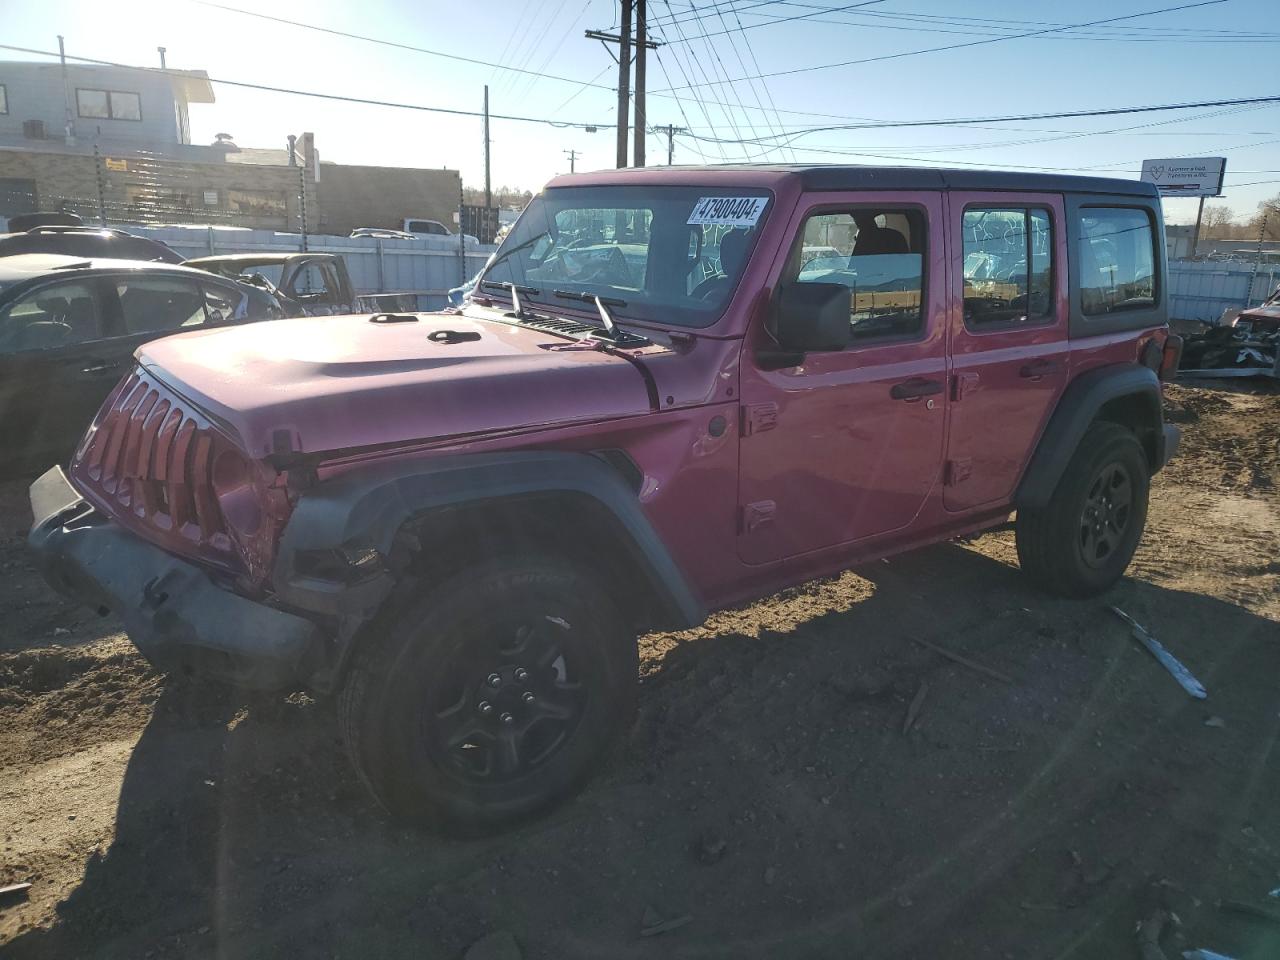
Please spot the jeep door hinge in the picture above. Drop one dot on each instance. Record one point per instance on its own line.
(961, 383)
(957, 471)
(756, 515)
(759, 417)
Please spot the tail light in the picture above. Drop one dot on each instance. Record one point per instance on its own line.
(1170, 357)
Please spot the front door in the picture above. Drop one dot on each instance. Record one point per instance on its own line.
(1010, 348)
(55, 371)
(847, 445)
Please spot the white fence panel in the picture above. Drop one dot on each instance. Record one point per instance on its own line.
(426, 266)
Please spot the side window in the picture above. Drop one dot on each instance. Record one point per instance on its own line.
(312, 281)
(56, 315)
(1117, 260)
(879, 255)
(158, 304)
(220, 303)
(1008, 267)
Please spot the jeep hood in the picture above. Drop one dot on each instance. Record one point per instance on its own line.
(340, 382)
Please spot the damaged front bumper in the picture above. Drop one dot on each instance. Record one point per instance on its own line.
(174, 613)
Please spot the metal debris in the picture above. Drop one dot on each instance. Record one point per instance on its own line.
(1250, 910)
(1246, 346)
(913, 711)
(652, 923)
(14, 891)
(963, 661)
(1167, 660)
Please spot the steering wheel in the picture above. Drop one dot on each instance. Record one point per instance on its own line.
(39, 335)
(614, 268)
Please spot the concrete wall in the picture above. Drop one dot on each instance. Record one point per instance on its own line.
(359, 196)
(35, 92)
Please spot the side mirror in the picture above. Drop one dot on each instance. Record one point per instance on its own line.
(813, 316)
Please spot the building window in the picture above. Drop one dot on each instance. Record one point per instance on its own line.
(4, 99)
(108, 105)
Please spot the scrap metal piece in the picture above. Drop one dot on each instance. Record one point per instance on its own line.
(1167, 660)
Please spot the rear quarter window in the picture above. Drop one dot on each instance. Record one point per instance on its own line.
(1117, 260)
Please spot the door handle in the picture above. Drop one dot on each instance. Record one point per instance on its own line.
(915, 389)
(1039, 368)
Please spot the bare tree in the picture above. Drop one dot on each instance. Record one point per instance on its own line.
(1266, 222)
(1218, 221)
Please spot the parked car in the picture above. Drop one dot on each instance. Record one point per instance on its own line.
(69, 327)
(381, 233)
(459, 522)
(429, 228)
(305, 284)
(22, 222)
(74, 241)
(432, 228)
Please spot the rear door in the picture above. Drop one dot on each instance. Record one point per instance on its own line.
(1009, 341)
(56, 368)
(847, 445)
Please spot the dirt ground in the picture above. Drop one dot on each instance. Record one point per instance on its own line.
(767, 790)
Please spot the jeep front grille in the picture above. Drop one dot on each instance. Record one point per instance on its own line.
(148, 460)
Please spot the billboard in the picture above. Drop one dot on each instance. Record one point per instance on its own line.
(1186, 176)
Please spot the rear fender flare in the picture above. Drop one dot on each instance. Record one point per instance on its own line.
(1079, 407)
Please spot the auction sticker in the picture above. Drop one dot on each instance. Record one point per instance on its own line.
(728, 211)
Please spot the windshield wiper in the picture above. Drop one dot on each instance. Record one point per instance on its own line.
(602, 306)
(515, 290)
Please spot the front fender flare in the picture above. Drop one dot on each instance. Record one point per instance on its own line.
(367, 508)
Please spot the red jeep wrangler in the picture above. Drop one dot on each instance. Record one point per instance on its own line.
(674, 390)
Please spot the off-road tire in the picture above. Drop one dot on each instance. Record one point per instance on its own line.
(1051, 545)
(405, 666)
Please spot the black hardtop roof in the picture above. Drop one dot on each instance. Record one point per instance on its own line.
(861, 177)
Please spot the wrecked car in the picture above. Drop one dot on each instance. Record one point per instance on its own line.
(653, 406)
(1245, 345)
(305, 284)
(68, 330)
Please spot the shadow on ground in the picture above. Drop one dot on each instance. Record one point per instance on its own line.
(1030, 819)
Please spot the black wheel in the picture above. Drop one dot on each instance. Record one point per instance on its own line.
(490, 698)
(1082, 542)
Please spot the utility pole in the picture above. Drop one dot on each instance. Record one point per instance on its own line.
(488, 192)
(640, 78)
(1195, 237)
(642, 44)
(671, 140)
(163, 51)
(624, 81)
(69, 125)
(573, 156)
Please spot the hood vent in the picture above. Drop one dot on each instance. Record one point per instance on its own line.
(576, 328)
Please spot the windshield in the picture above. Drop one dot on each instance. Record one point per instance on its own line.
(669, 255)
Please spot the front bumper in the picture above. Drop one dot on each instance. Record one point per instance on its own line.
(174, 614)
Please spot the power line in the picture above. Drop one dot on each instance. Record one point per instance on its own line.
(918, 21)
(1058, 115)
(363, 101)
(975, 43)
(894, 124)
(388, 43)
(774, 22)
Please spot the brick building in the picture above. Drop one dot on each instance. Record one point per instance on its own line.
(115, 142)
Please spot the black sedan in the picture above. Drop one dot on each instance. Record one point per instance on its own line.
(68, 330)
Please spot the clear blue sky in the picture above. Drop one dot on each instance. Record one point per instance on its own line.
(1222, 51)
